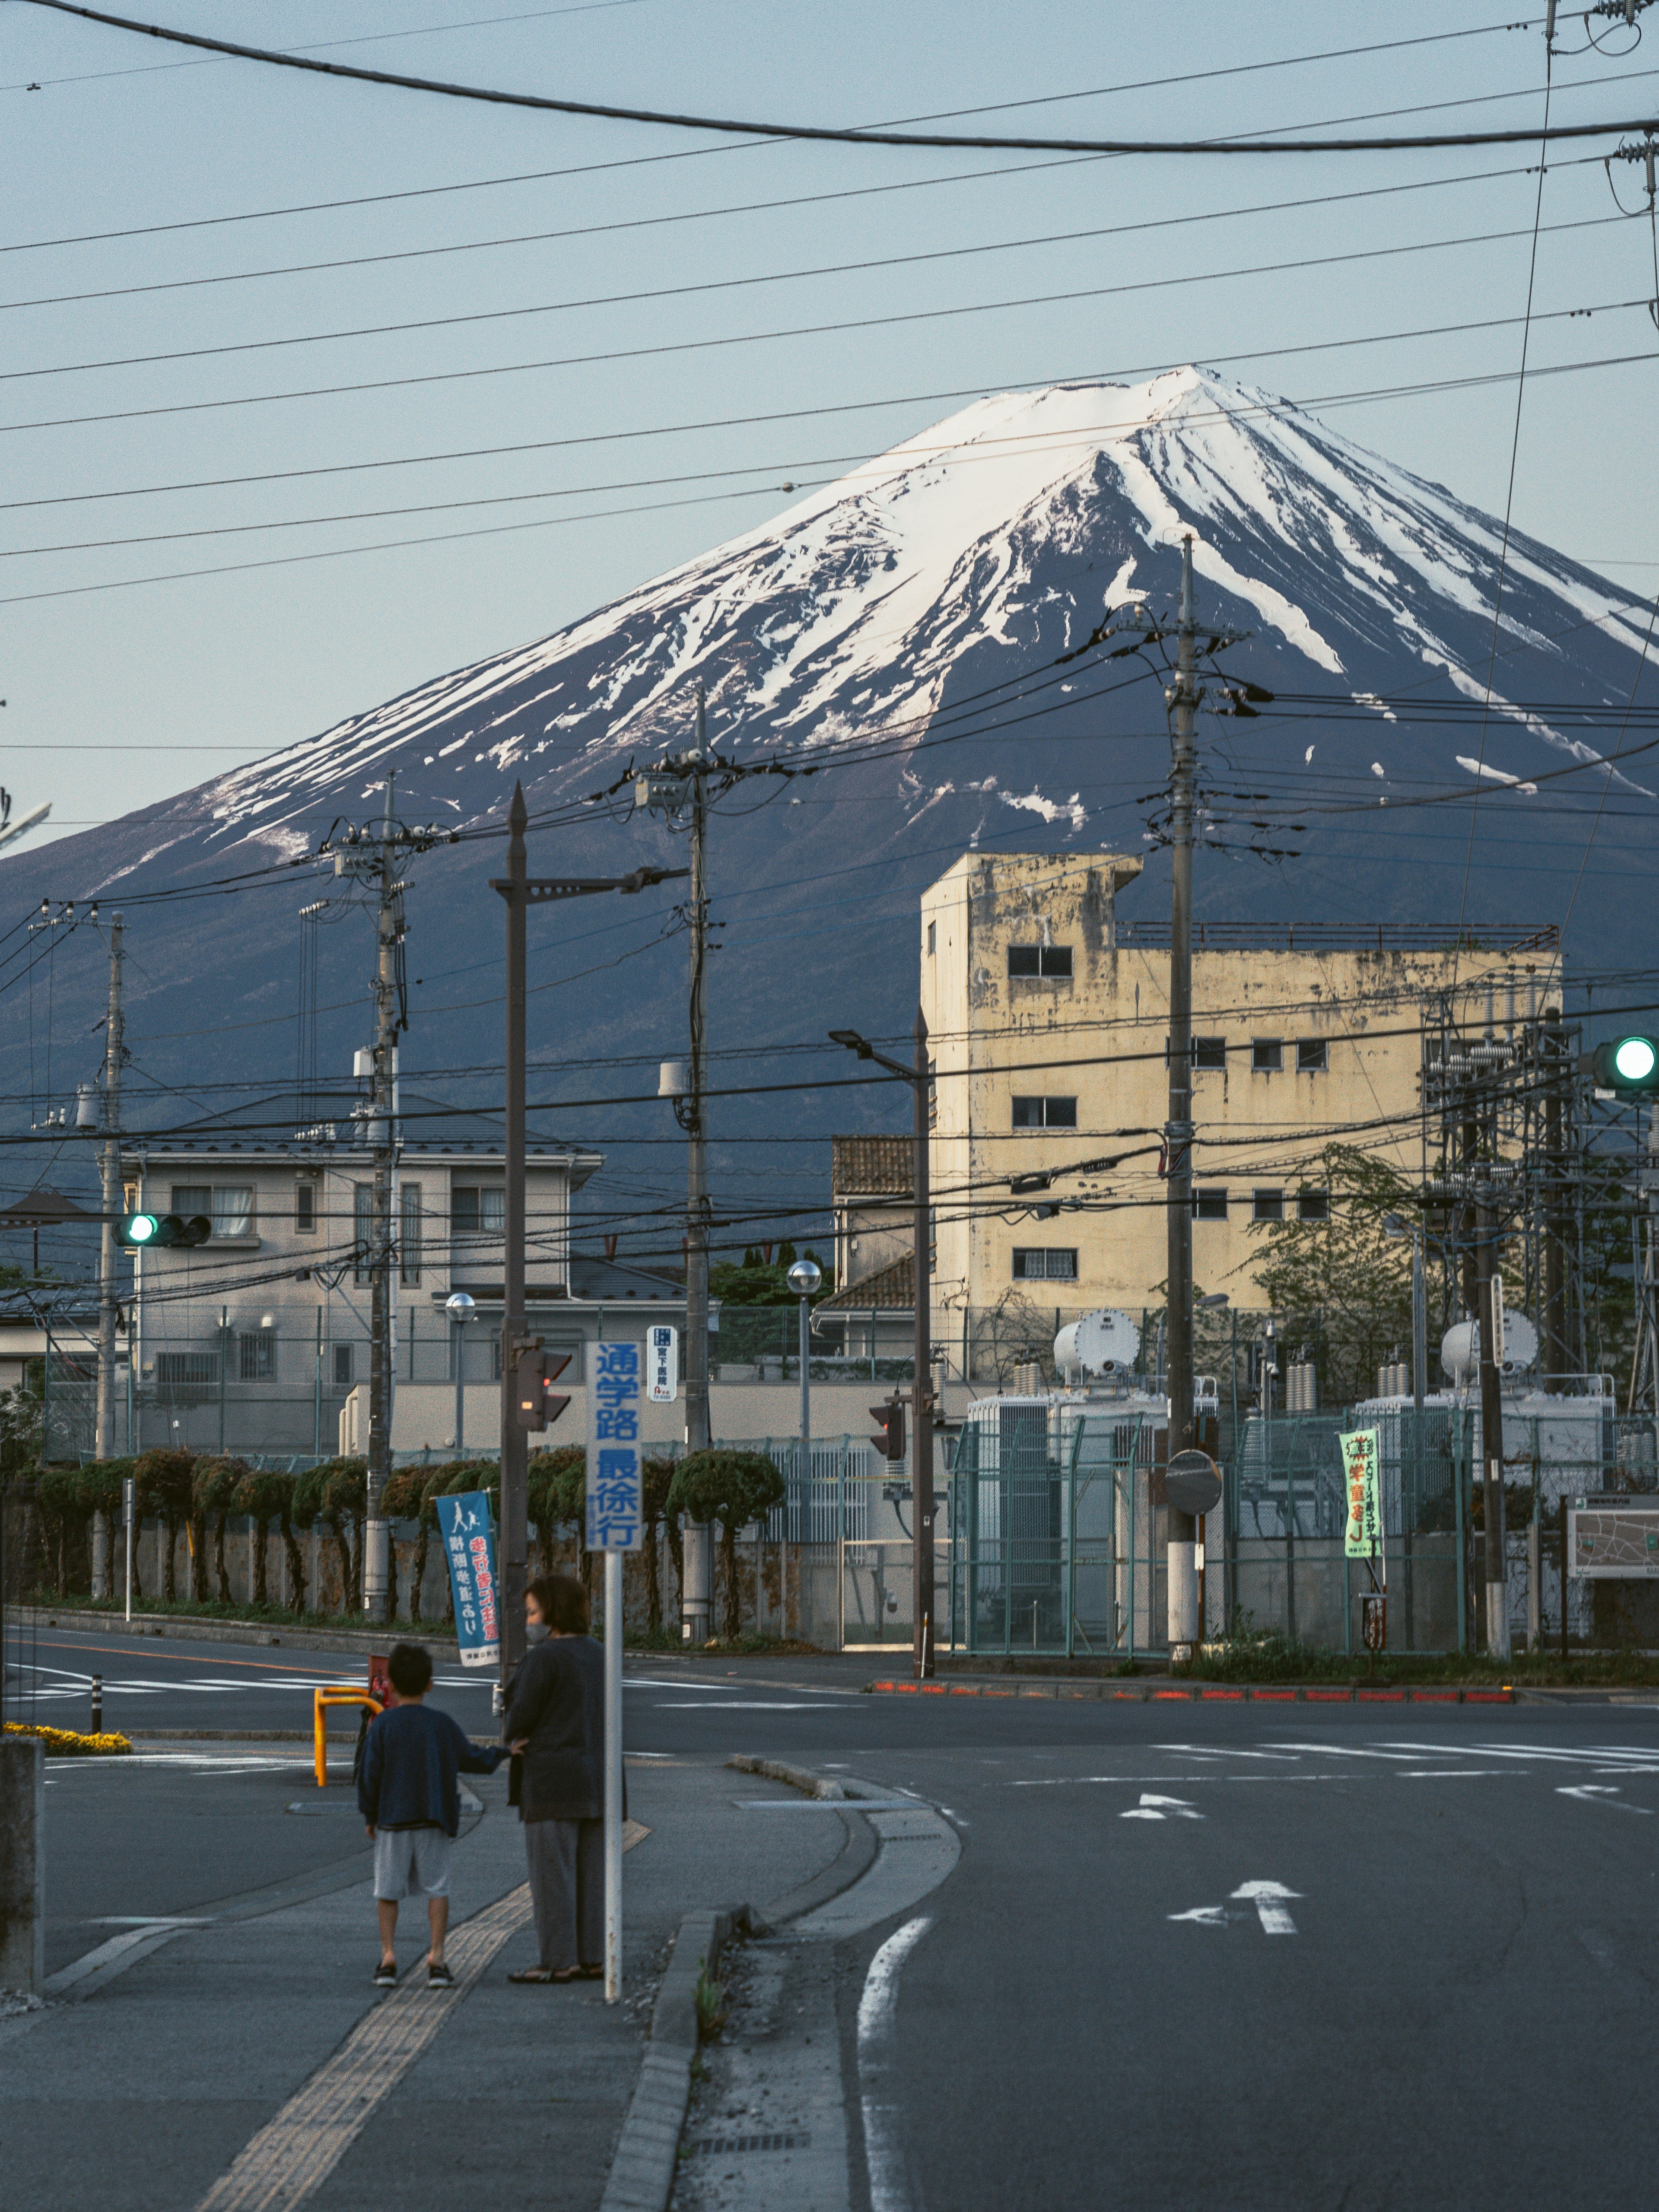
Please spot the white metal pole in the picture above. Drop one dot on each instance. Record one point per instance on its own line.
(613, 1776)
(129, 1514)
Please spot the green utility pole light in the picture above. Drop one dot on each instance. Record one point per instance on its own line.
(1627, 1063)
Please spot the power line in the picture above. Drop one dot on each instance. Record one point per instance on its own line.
(730, 126)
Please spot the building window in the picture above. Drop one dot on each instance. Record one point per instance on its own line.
(187, 1378)
(409, 1237)
(933, 938)
(256, 1351)
(1269, 1205)
(1045, 1112)
(1049, 960)
(305, 1209)
(230, 1207)
(343, 1365)
(1313, 1205)
(362, 1230)
(480, 1209)
(1209, 1052)
(1266, 1055)
(1209, 1206)
(1035, 1263)
(1312, 1056)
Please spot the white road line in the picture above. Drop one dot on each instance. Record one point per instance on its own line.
(744, 1705)
(1603, 1793)
(1265, 1896)
(1154, 1807)
(883, 2145)
(1340, 1751)
(1204, 1751)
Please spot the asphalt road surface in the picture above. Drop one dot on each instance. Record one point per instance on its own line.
(1239, 1956)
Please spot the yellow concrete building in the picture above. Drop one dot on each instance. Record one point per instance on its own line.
(1049, 1020)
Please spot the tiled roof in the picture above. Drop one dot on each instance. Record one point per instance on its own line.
(892, 1285)
(864, 1166)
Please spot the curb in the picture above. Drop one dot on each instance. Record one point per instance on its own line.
(296, 1636)
(1200, 1693)
(648, 2151)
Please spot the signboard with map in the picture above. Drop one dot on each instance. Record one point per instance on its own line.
(1613, 1538)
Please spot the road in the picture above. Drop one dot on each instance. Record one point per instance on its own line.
(1251, 1955)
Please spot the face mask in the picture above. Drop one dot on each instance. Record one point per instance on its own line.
(535, 1632)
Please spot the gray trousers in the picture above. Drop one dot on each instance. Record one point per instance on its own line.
(567, 1891)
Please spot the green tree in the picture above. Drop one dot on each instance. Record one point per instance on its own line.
(265, 1498)
(215, 1485)
(758, 1283)
(659, 1480)
(732, 1487)
(166, 1481)
(1343, 1284)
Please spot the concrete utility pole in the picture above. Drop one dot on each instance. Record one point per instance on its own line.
(696, 1549)
(383, 1136)
(1489, 1311)
(108, 1298)
(1182, 1586)
(1558, 1360)
(921, 1395)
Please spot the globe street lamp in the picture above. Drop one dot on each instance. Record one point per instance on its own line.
(804, 1279)
(461, 1309)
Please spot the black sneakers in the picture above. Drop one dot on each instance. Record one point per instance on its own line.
(385, 1974)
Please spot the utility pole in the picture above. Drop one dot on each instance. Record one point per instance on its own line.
(696, 1597)
(108, 1299)
(1557, 1362)
(1489, 1310)
(1182, 1583)
(921, 1395)
(383, 1137)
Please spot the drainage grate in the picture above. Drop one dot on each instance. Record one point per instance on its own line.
(723, 2145)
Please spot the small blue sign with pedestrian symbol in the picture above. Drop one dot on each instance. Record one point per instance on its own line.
(616, 1473)
(469, 1539)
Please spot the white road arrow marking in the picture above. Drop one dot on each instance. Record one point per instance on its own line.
(1264, 1895)
(1602, 1793)
(1154, 1807)
(1207, 1915)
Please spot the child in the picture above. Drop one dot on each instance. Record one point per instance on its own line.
(406, 1793)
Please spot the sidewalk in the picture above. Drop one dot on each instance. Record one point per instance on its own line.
(143, 2094)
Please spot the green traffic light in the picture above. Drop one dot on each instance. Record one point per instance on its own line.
(141, 1228)
(1635, 1059)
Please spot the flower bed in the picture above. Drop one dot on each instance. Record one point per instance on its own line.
(64, 1743)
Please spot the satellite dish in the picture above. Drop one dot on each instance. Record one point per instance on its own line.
(1098, 1344)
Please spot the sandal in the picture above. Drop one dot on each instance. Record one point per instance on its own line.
(591, 1973)
(569, 1974)
(532, 1974)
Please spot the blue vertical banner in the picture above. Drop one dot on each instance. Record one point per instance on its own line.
(468, 1533)
(616, 1473)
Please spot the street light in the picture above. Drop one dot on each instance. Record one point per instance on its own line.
(918, 1076)
(803, 1278)
(461, 1308)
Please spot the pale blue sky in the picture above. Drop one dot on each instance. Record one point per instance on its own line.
(191, 676)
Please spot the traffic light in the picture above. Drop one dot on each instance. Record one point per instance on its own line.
(536, 1402)
(140, 1230)
(1627, 1063)
(890, 1443)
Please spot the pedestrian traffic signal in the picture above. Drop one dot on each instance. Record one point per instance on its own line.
(537, 1404)
(140, 1230)
(1628, 1063)
(890, 1443)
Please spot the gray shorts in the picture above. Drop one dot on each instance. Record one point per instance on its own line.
(411, 1862)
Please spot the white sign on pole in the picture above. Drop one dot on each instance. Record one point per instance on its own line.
(616, 1470)
(662, 1364)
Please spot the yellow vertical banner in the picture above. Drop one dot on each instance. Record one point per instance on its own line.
(1363, 1538)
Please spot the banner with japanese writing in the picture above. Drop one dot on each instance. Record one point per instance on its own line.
(662, 1355)
(468, 1534)
(616, 1473)
(1363, 1538)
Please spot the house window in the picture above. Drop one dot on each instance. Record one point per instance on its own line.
(187, 1378)
(1312, 1056)
(362, 1230)
(230, 1207)
(1209, 1206)
(257, 1354)
(343, 1365)
(1269, 1205)
(1035, 1263)
(1049, 960)
(1045, 1112)
(1313, 1205)
(1266, 1055)
(1209, 1052)
(933, 938)
(480, 1209)
(409, 1239)
(305, 1209)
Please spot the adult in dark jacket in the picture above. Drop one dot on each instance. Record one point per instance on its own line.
(555, 1723)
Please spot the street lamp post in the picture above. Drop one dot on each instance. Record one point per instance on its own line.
(461, 1309)
(918, 1075)
(803, 1278)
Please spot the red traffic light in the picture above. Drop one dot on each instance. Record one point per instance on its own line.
(890, 1443)
(536, 1404)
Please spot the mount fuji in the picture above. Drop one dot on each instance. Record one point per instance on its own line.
(901, 633)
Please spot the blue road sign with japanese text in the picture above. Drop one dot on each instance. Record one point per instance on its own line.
(468, 1540)
(616, 1473)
